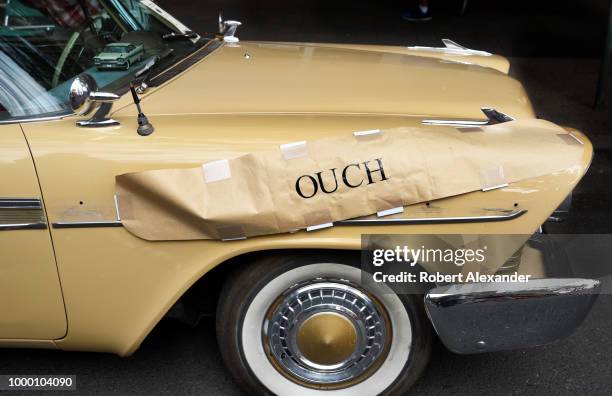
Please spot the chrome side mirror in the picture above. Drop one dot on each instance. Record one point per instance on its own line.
(228, 30)
(84, 97)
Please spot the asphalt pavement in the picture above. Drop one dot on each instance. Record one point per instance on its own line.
(560, 78)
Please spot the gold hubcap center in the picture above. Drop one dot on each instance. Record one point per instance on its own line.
(327, 338)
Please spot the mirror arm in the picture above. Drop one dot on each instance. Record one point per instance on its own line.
(99, 118)
(103, 97)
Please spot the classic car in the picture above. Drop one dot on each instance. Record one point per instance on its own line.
(73, 278)
(119, 56)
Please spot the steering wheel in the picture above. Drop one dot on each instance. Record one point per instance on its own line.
(68, 49)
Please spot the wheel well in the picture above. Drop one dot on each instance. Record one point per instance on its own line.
(201, 298)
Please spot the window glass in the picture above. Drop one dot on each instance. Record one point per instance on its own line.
(45, 44)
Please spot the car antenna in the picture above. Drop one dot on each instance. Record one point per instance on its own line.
(140, 84)
(144, 126)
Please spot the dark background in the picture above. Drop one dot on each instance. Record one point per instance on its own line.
(554, 49)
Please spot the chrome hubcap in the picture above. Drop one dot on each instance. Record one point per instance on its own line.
(326, 334)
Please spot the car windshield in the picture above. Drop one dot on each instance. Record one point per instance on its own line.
(45, 44)
(115, 49)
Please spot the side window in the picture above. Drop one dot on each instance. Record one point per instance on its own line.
(21, 94)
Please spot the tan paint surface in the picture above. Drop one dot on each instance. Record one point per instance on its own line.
(117, 286)
(283, 78)
(496, 62)
(31, 303)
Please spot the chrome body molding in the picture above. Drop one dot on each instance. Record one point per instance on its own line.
(451, 48)
(41, 118)
(432, 220)
(228, 28)
(21, 214)
(494, 116)
(352, 222)
(92, 223)
(491, 316)
(456, 123)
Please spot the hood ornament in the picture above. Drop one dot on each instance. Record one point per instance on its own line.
(227, 28)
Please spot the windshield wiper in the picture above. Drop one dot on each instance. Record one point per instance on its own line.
(143, 76)
(177, 36)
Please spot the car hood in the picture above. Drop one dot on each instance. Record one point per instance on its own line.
(254, 77)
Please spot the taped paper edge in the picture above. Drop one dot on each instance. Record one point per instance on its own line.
(116, 199)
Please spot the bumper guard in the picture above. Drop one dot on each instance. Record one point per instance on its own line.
(487, 317)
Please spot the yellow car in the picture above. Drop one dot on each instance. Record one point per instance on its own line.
(72, 278)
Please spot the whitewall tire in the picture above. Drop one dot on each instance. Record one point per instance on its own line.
(305, 325)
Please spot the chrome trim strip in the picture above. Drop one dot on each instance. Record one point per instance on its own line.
(23, 226)
(432, 220)
(20, 203)
(21, 214)
(351, 222)
(87, 224)
(93, 223)
(493, 117)
(18, 120)
(456, 123)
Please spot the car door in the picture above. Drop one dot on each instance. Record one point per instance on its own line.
(31, 303)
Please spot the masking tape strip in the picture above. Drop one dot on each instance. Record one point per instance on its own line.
(294, 150)
(216, 171)
(392, 211)
(319, 220)
(319, 226)
(366, 133)
(570, 139)
(128, 211)
(231, 233)
(492, 178)
(118, 215)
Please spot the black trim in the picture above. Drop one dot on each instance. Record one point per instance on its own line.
(88, 224)
(185, 63)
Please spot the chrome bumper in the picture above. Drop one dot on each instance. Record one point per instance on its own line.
(488, 317)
